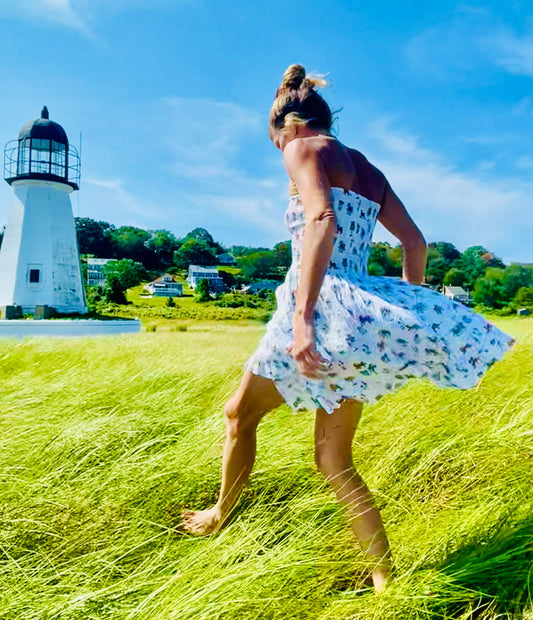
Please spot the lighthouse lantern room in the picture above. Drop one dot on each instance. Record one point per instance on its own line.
(39, 258)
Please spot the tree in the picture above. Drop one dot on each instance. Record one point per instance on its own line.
(447, 251)
(488, 290)
(94, 237)
(259, 266)
(194, 252)
(454, 277)
(436, 270)
(381, 263)
(396, 257)
(515, 278)
(523, 298)
(499, 287)
(440, 259)
(472, 264)
(120, 275)
(201, 234)
(202, 291)
(283, 252)
(492, 261)
(242, 250)
(228, 278)
(162, 244)
(375, 269)
(130, 243)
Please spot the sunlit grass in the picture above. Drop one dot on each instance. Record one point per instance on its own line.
(106, 440)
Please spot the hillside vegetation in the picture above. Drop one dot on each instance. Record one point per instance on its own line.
(492, 285)
(106, 440)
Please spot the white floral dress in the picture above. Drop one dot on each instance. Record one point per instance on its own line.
(375, 332)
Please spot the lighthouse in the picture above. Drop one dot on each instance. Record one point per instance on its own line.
(39, 257)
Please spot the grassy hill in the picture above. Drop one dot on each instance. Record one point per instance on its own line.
(106, 440)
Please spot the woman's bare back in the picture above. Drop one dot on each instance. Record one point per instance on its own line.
(347, 168)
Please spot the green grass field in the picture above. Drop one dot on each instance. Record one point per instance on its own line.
(106, 440)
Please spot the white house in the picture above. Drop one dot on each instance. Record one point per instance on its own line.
(95, 271)
(197, 273)
(165, 286)
(457, 293)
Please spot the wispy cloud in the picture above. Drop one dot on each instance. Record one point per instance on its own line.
(76, 15)
(211, 145)
(205, 136)
(525, 162)
(101, 193)
(450, 50)
(397, 143)
(209, 173)
(60, 12)
(471, 38)
(512, 51)
(450, 204)
(524, 107)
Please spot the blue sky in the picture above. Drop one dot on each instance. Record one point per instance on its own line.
(171, 98)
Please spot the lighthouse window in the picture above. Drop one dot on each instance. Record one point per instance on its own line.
(35, 276)
(23, 166)
(40, 155)
(58, 159)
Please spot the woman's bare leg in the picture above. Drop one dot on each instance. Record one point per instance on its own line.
(333, 451)
(254, 397)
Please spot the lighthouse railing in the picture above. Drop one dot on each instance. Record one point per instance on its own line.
(18, 164)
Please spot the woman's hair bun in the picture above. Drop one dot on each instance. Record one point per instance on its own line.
(298, 103)
(293, 77)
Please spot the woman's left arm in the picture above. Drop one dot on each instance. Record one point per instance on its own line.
(307, 171)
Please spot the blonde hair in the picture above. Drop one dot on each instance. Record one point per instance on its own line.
(297, 102)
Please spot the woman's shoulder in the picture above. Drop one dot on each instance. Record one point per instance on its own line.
(371, 180)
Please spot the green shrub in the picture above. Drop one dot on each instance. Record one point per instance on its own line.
(202, 291)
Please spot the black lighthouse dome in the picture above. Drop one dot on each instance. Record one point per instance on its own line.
(42, 152)
(44, 129)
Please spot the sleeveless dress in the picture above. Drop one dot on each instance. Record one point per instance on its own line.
(375, 332)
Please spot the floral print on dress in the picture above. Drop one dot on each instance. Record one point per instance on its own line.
(375, 332)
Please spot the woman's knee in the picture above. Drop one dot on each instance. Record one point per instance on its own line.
(332, 462)
(241, 416)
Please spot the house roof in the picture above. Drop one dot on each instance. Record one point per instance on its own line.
(455, 290)
(99, 261)
(200, 269)
(161, 279)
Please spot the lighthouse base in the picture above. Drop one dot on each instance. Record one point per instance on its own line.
(39, 259)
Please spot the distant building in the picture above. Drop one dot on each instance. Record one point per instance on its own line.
(165, 286)
(226, 259)
(457, 293)
(263, 285)
(197, 273)
(95, 271)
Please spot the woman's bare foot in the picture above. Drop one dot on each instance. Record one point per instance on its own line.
(380, 578)
(203, 522)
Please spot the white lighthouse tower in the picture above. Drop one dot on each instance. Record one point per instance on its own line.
(39, 258)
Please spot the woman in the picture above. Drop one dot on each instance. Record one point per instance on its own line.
(340, 337)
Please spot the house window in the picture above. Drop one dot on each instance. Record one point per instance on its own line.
(35, 276)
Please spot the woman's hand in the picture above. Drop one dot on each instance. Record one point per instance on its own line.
(308, 360)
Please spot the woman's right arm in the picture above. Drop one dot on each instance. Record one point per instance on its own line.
(393, 215)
